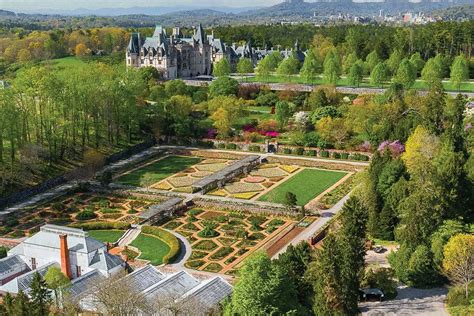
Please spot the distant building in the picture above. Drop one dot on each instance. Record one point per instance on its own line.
(177, 56)
(70, 249)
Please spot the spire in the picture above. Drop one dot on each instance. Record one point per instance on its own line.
(199, 34)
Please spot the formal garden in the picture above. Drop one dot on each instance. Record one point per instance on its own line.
(220, 240)
(106, 216)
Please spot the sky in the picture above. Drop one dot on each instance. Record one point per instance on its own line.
(32, 5)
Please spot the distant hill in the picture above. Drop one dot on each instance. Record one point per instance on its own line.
(6, 13)
(456, 13)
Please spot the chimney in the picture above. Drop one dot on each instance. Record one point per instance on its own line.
(64, 252)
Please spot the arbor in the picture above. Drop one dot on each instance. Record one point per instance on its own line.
(222, 68)
(40, 295)
(311, 67)
(244, 66)
(356, 73)
(264, 287)
(379, 75)
(459, 71)
(223, 86)
(282, 113)
(406, 74)
(458, 262)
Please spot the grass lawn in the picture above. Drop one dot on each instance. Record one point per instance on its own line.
(419, 84)
(151, 248)
(158, 171)
(306, 184)
(110, 236)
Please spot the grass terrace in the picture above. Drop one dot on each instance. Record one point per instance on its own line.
(151, 248)
(306, 185)
(154, 172)
(106, 236)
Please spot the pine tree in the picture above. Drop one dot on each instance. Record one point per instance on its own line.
(40, 295)
(356, 73)
(311, 67)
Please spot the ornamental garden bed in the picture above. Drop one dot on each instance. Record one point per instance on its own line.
(77, 210)
(225, 237)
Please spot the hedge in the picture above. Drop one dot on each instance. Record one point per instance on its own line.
(344, 156)
(336, 155)
(311, 152)
(360, 157)
(299, 151)
(324, 153)
(231, 146)
(287, 151)
(254, 148)
(168, 238)
(101, 225)
(221, 145)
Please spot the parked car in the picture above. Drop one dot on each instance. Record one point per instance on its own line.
(371, 294)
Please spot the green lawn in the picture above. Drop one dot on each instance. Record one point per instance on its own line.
(307, 184)
(151, 248)
(419, 84)
(110, 236)
(158, 171)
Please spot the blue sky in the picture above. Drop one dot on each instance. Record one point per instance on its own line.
(31, 5)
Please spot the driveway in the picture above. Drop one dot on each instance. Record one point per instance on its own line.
(409, 301)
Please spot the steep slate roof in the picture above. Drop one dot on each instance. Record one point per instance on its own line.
(104, 261)
(23, 282)
(48, 236)
(199, 35)
(12, 264)
(144, 278)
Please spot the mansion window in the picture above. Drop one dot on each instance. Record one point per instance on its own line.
(33, 263)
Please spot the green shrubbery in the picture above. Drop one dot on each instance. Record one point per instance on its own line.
(86, 215)
(383, 279)
(254, 148)
(311, 152)
(168, 238)
(299, 151)
(458, 303)
(221, 145)
(102, 225)
(287, 151)
(231, 146)
(324, 153)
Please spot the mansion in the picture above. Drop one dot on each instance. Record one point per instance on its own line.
(176, 56)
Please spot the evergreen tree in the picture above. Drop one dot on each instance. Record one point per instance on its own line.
(40, 295)
(244, 66)
(282, 113)
(459, 71)
(394, 61)
(417, 62)
(348, 61)
(432, 72)
(371, 61)
(379, 75)
(264, 67)
(356, 73)
(331, 74)
(406, 74)
(311, 67)
(288, 67)
(222, 68)
(22, 306)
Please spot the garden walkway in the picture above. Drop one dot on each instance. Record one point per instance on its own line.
(185, 251)
(312, 229)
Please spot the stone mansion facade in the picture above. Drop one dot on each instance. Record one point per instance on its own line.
(176, 56)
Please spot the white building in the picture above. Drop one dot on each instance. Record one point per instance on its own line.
(70, 249)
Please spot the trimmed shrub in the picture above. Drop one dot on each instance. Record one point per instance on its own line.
(254, 148)
(344, 156)
(85, 215)
(205, 144)
(168, 238)
(324, 153)
(287, 151)
(360, 157)
(311, 152)
(102, 225)
(299, 151)
(231, 146)
(336, 155)
(221, 145)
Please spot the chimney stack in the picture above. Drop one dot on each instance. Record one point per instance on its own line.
(64, 252)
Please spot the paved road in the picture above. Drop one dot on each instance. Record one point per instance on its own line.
(185, 252)
(409, 301)
(326, 216)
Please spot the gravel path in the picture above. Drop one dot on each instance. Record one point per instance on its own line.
(409, 301)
